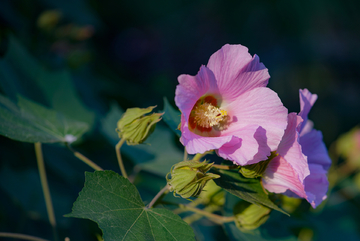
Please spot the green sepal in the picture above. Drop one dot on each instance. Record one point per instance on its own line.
(250, 216)
(188, 178)
(256, 170)
(135, 127)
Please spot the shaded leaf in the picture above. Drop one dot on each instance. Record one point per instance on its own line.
(171, 117)
(31, 122)
(261, 233)
(18, 69)
(248, 189)
(115, 204)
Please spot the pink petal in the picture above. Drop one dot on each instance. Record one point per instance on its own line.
(236, 71)
(290, 148)
(247, 146)
(316, 185)
(307, 100)
(315, 150)
(279, 177)
(260, 106)
(309, 125)
(191, 88)
(199, 144)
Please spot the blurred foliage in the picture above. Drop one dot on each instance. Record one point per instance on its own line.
(85, 58)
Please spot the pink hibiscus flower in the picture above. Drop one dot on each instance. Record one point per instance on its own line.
(228, 108)
(300, 168)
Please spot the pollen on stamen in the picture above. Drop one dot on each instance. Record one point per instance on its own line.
(207, 115)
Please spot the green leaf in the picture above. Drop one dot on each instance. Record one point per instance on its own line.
(171, 117)
(18, 69)
(31, 122)
(115, 205)
(277, 229)
(248, 189)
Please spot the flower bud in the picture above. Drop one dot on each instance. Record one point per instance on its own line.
(348, 147)
(256, 170)
(250, 216)
(48, 19)
(134, 126)
(188, 178)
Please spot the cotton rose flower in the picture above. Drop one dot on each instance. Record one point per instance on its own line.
(228, 108)
(301, 165)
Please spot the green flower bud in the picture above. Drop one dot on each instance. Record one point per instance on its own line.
(188, 178)
(348, 147)
(250, 216)
(134, 126)
(212, 194)
(48, 19)
(290, 204)
(256, 170)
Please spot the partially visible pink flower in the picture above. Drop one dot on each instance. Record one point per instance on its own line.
(228, 108)
(303, 161)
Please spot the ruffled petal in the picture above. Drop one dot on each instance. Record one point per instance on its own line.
(290, 148)
(309, 125)
(191, 88)
(314, 148)
(307, 100)
(247, 146)
(279, 177)
(199, 144)
(316, 185)
(236, 71)
(260, 106)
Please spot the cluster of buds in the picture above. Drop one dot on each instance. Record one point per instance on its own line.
(135, 126)
(188, 178)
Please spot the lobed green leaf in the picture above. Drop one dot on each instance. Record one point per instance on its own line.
(115, 205)
(31, 122)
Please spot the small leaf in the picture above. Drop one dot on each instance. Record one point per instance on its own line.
(171, 117)
(248, 189)
(31, 122)
(115, 205)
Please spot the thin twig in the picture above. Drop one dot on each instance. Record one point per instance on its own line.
(185, 154)
(214, 217)
(45, 186)
(224, 167)
(162, 191)
(118, 155)
(21, 236)
(84, 158)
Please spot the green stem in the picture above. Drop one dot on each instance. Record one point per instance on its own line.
(162, 191)
(21, 236)
(45, 186)
(194, 217)
(224, 167)
(84, 159)
(185, 154)
(121, 164)
(198, 156)
(214, 217)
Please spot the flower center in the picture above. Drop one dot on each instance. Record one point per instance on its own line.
(207, 115)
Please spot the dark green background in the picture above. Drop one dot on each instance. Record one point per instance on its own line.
(133, 58)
